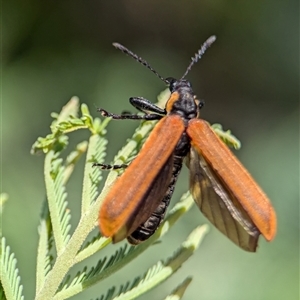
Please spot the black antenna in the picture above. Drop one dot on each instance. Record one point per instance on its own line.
(139, 59)
(199, 54)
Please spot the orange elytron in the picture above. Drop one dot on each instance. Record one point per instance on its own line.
(222, 188)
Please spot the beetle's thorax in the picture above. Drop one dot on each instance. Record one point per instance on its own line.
(182, 100)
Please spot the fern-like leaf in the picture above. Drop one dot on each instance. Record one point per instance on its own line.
(123, 256)
(55, 186)
(44, 259)
(161, 271)
(85, 278)
(57, 140)
(9, 274)
(92, 175)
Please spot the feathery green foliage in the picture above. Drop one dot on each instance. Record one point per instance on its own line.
(60, 248)
(9, 274)
(161, 271)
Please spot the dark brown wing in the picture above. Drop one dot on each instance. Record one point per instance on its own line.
(148, 228)
(244, 199)
(220, 207)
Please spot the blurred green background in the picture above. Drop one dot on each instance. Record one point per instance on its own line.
(249, 79)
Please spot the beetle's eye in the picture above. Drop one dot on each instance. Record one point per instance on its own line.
(201, 104)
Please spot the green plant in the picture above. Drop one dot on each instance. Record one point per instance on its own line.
(58, 250)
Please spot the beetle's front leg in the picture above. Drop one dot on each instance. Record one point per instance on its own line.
(146, 106)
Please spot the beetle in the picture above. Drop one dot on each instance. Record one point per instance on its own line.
(222, 188)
